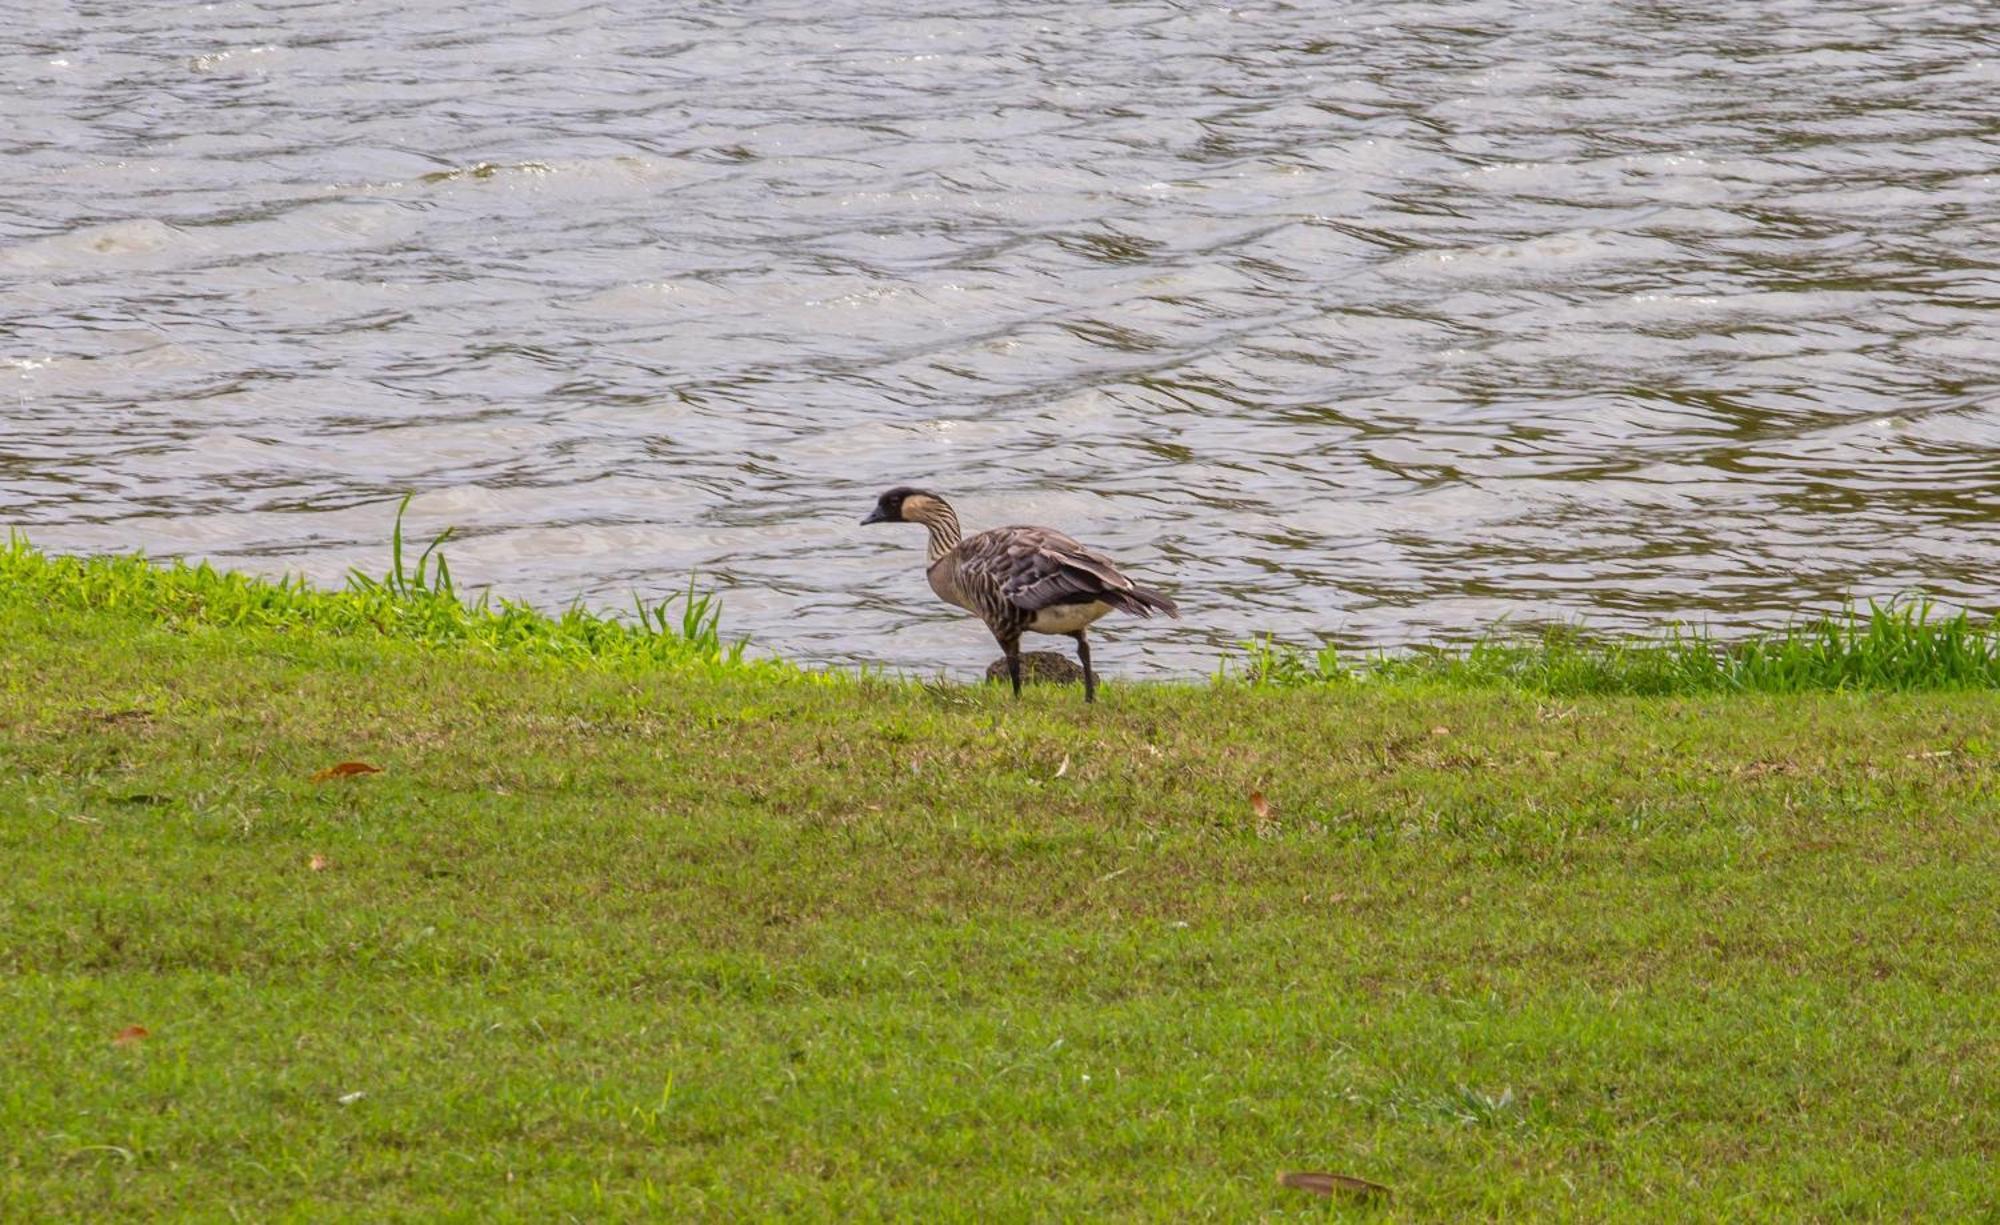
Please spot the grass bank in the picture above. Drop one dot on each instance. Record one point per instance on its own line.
(633, 928)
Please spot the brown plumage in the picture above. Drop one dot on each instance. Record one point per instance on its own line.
(1020, 579)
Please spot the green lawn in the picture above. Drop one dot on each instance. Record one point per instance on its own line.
(622, 941)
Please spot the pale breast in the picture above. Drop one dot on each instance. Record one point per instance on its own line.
(1067, 618)
(941, 582)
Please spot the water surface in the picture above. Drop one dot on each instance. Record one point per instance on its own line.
(1378, 320)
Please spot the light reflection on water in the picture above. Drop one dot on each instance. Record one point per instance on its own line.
(1381, 321)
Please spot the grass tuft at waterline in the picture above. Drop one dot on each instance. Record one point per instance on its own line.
(415, 600)
(1902, 645)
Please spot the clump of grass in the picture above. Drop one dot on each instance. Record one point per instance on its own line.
(1900, 645)
(414, 601)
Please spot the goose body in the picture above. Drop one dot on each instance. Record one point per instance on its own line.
(1020, 579)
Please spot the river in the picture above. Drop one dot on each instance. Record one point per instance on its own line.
(1381, 322)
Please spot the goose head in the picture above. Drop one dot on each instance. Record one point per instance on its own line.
(906, 504)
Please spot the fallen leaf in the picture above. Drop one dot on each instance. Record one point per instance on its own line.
(1327, 1184)
(130, 1034)
(317, 863)
(1064, 767)
(346, 769)
(1260, 806)
(1440, 731)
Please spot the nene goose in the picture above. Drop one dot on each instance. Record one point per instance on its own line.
(1020, 579)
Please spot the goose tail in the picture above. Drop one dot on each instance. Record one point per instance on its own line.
(1141, 602)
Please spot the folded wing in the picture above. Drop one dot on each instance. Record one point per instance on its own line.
(1037, 567)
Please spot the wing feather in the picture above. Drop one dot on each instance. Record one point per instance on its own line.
(1037, 567)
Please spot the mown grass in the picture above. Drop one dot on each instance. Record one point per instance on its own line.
(702, 940)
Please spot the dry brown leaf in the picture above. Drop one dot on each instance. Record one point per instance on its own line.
(1320, 1183)
(1260, 806)
(1440, 731)
(346, 769)
(130, 1034)
(317, 863)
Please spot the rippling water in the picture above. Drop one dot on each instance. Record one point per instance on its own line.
(1374, 320)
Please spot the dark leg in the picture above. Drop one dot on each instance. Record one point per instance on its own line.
(1083, 657)
(1013, 648)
